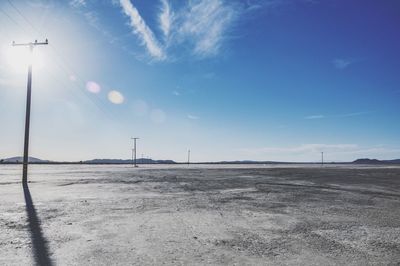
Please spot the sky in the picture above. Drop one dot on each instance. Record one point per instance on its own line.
(270, 80)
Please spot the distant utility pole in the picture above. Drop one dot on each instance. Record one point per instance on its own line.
(322, 158)
(31, 45)
(188, 158)
(134, 152)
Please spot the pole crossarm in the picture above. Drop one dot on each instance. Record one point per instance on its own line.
(31, 43)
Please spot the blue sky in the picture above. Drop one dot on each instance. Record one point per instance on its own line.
(231, 80)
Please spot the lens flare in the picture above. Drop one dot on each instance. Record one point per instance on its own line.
(158, 116)
(72, 77)
(140, 108)
(115, 97)
(93, 87)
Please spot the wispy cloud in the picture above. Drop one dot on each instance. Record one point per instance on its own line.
(166, 18)
(274, 5)
(176, 93)
(320, 116)
(141, 29)
(314, 117)
(353, 114)
(342, 63)
(260, 4)
(205, 23)
(92, 18)
(192, 117)
(77, 3)
(198, 26)
(253, 5)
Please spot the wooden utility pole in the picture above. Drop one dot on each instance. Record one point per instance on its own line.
(134, 153)
(31, 45)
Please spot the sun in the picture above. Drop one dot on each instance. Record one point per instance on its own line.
(18, 58)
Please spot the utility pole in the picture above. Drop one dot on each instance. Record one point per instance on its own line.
(132, 155)
(31, 45)
(134, 152)
(322, 158)
(188, 161)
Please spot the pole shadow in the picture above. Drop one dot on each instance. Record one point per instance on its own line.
(39, 243)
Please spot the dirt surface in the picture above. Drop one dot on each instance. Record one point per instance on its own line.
(198, 215)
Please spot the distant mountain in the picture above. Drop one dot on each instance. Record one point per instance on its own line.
(94, 161)
(129, 161)
(367, 161)
(20, 159)
(375, 161)
(245, 162)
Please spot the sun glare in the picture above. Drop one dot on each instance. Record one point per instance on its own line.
(18, 58)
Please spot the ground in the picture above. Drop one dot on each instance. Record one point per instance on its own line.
(198, 215)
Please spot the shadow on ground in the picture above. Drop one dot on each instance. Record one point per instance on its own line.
(39, 243)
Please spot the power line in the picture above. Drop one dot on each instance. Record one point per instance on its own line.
(20, 13)
(14, 21)
(65, 67)
(56, 61)
(7, 37)
(98, 102)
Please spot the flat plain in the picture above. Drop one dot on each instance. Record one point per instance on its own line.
(200, 215)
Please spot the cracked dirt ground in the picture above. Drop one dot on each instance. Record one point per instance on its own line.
(198, 215)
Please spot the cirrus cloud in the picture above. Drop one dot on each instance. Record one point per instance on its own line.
(200, 26)
(192, 117)
(342, 63)
(141, 29)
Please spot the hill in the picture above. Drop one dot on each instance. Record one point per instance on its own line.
(129, 161)
(375, 161)
(34, 160)
(19, 159)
